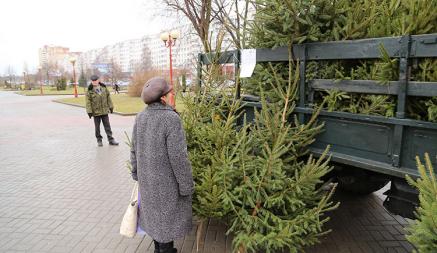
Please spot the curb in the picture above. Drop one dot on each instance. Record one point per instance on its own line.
(76, 105)
(44, 95)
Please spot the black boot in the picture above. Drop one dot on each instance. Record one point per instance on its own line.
(167, 248)
(100, 143)
(113, 143)
(156, 246)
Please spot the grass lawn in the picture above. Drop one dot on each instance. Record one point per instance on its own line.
(50, 91)
(7, 89)
(122, 103)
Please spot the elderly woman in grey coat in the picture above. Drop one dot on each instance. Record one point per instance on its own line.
(160, 165)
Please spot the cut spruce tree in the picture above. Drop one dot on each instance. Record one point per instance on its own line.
(273, 189)
(287, 22)
(423, 231)
(257, 176)
(209, 120)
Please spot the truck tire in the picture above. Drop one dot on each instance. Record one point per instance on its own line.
(360, 182)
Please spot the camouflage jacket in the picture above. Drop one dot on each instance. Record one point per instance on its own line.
(98, 104)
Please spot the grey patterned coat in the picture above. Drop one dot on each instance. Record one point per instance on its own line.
(160, 165)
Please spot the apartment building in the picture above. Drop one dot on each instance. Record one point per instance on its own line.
(52, 54)
(57, 59)
(146, 52)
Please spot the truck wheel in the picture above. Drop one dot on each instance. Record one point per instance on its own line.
(360, 182)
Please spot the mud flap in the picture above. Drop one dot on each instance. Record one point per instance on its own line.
(402, 199)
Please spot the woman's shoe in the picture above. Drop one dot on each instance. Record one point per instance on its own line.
(167, 248)
(156, 246)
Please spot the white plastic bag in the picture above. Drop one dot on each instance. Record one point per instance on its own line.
(128, 225)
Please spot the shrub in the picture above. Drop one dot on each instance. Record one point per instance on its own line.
(61, 83)
(82, 80)
(139, 79)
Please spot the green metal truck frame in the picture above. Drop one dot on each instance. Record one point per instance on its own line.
(384, 147)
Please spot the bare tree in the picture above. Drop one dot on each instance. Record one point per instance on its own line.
(47, 73)
(115, 73)
(233, 15)
(32, 80)
(26, 76)
(146, 56)
(199, 13)
(51, 70)
(10, 72)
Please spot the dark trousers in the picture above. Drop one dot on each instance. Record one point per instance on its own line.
(106, 125)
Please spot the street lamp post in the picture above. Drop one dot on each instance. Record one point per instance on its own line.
(170, 41)
(73, 61)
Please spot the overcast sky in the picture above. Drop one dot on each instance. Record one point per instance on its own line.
(80, 25)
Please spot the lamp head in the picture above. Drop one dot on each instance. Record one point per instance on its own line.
(164, 36)
(175, 34)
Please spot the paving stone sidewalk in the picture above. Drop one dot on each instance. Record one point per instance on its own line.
(59, 192)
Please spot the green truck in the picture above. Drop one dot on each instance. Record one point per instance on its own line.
(367, 151)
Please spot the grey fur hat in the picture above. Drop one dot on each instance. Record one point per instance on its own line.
(154, 89)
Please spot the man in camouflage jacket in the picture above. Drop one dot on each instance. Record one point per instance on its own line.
(98, 105)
